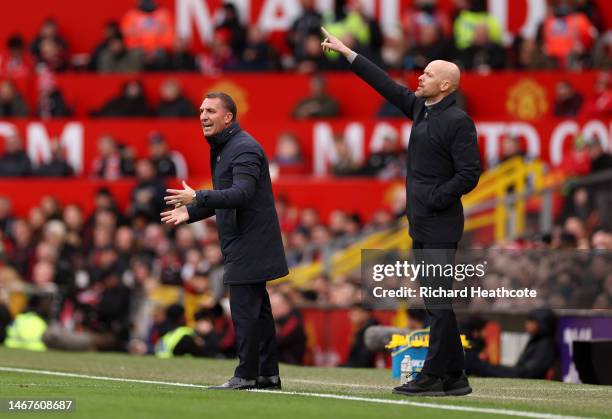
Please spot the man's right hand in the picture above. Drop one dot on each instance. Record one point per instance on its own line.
(332, 43)
(176, 216)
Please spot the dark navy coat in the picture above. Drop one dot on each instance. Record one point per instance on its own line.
(242, 200)
(442, 162)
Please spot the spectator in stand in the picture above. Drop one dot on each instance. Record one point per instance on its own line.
(50, 99)
(111, 31)
(511, 147)
(568, 36)
(173, 104)
(602, 52)
(257, 54)
(14, 161)
(602, 240)
(108, 165)
(159, 156)
(319, 104)
(600, 105)
(148, 28)
(21, 255)
(148, 194)
(528, 54)
(344, 162)
(130, 103)
(468, 20)
(231, 30)
(116, 58)
(15, 63)
(309, 219)
(52, 57)
(579, 204)
(288, 157)
(483, 55)
(425, 13)
(302, 30)
(57, 166)
(600, 159)
(312, 59)
(290, 334)
(360, 32)
(430, 45)
(6, 217)
(567, 100)
(577, 161)
(387, 162)
(219, 58)
(49, 47)
(359, 355)
(12, 104)
(180, 59)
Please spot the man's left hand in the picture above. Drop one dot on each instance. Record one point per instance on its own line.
(180, 197)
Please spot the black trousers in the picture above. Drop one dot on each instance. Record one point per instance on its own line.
(445, 354)
(255, 331)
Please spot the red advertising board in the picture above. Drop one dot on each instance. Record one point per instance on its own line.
(549, 139)
(271, 97)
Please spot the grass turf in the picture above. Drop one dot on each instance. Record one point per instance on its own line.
(118, 399)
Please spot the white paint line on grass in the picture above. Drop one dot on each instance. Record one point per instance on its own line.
(371, 387)
(484, 410)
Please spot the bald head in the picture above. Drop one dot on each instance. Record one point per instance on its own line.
(447, 71)
(439, 79)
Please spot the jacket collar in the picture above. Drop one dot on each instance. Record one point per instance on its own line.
(447, 102)
(219, 139)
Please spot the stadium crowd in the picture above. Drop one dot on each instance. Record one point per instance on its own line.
(571, 37)
(103, 279)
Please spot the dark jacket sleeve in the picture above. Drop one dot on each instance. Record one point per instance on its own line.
(246, 168)
(395, 93)
(198, 214)
(466, 161)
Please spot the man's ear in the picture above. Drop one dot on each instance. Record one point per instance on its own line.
(228, 117)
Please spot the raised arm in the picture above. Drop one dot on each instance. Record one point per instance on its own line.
(395, 93)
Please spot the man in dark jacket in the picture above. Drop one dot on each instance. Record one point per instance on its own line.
(249, 232)
(442, 165)
(538, 357)
(14, 161)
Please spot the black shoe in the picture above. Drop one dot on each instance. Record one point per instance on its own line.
(272, 382)
(456, 384)
(422, 385)
(236, 383)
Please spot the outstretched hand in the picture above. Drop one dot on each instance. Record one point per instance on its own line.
(176, 216)
(331, 43)
(180, 197)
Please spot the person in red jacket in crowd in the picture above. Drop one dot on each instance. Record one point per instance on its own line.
(600, 105)
(148, 27)
(15, 62)
(568, 35)
(290, 334)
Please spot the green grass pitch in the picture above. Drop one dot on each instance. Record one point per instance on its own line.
(142, 388)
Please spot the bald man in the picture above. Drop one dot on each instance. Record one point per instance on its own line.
(442, 165)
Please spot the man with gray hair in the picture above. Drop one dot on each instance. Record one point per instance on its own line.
(442, 165)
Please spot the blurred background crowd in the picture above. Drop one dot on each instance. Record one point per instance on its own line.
(116, 279)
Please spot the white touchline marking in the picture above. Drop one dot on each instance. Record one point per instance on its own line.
(493, 411)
